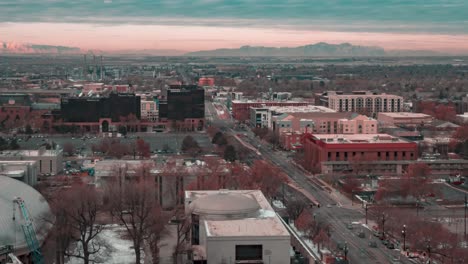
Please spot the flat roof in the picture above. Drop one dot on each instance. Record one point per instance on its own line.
(267, 102)
(358, 138)
(265, 224)
(405, 114)
(29, 153)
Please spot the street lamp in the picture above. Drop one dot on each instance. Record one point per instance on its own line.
(403, 233)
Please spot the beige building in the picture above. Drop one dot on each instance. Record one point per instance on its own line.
(291, 126)
(403, 118)
(149, 110)
(360, 101)
(49, 161)
(22, 170)
(235, 227)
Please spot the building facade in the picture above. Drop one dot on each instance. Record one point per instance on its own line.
(149, 111)
(291, 127)
(355, 149)
(360, 101)
(404, 119)
(241, 109)
(48, 161)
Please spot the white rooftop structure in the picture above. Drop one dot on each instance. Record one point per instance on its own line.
(301, 109)
(11, 232)
(22, 170)
(49, 161)
(236, 226)
(358, 138)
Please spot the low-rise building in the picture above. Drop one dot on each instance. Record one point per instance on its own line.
(235, 227)
(22, 170)
(360, 101)
(291, 126)
(149, 110)
(264, 116)
(404, 119)
(354, 149)
(49, 161)
(241, 109)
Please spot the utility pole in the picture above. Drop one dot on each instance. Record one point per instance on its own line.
(466, 206)
(366, 211)
(403, 233)
(383, 225)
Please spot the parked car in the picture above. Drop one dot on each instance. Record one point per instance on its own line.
(372, 244)
(390, 246)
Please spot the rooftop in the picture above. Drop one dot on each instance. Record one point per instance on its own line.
(264, 222)
(265, 102)
(314, 115)
(358, 138)
(405, 114)
(29, 153)
(301, 109)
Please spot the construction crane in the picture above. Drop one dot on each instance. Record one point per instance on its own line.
(28, 230)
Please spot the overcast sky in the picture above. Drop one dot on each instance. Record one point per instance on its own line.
(440, 25)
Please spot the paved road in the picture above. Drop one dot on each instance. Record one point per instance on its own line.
(337, 217)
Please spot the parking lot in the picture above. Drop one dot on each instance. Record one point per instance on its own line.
(157, 141)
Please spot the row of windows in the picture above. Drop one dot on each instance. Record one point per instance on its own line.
(380, 155)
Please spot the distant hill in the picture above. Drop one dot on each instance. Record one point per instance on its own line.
(319, 49)
(22, 48)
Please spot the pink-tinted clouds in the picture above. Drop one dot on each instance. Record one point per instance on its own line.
(191, 38)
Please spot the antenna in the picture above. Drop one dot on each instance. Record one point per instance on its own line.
(102, 73)
(84, 67)
(94, 68)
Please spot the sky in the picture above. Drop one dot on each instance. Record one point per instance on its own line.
(110, 25)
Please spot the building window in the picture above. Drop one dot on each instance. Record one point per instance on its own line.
(50, 168)
(329, 156)
(249, 252)
(404, 154)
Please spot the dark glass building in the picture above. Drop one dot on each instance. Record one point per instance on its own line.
(91, 109)
(183, 102)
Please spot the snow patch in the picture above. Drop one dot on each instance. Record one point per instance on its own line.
(121, 249)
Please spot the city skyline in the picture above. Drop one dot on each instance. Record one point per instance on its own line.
(113, 25)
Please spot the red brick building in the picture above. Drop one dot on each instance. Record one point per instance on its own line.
(206, 81)
(241, 109)
(320, 149)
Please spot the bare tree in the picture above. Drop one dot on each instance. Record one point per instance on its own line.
(135, 206)
(295, 206)
(76, 212)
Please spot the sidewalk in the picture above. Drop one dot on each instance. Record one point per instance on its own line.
(341, 199)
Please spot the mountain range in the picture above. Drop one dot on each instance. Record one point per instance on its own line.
(23, 48)
(320, 49)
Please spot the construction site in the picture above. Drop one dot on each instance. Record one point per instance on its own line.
(24, 224)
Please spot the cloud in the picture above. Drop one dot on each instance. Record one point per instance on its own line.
(437, 16)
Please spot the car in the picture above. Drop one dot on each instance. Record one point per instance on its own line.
(350, 226)
(372, 244)
(385, 242)
(391, 246)
(361, 234)
(329, 206)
